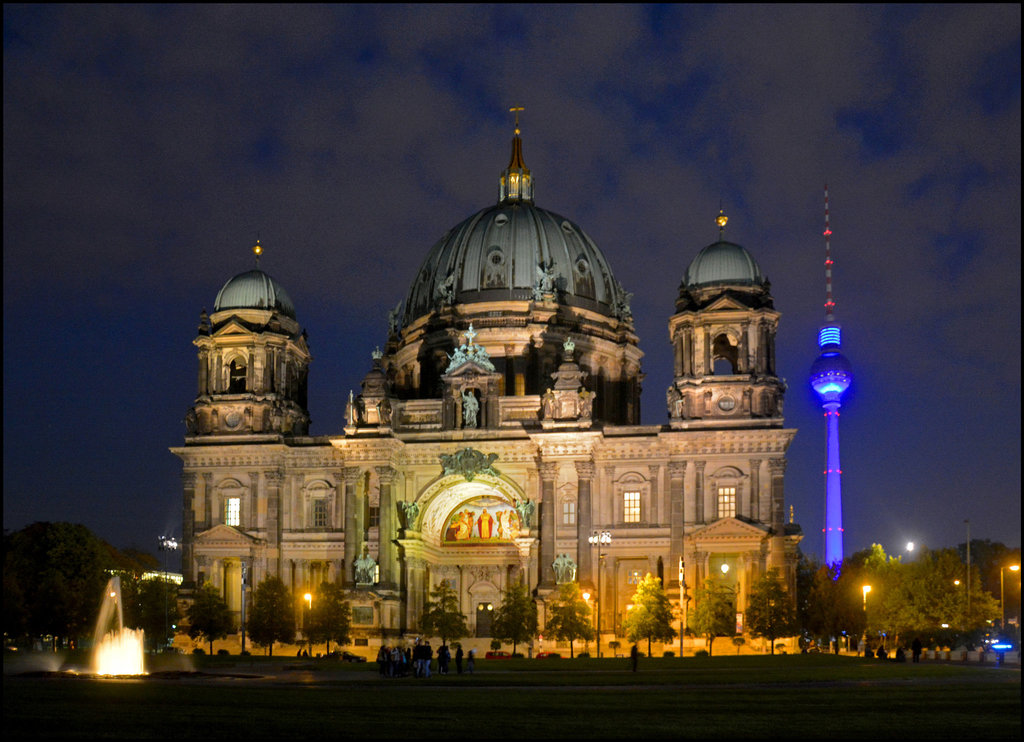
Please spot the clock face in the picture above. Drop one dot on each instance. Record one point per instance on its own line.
(726, 404)
(232, 419)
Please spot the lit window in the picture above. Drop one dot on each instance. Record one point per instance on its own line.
(233, 511)
(374, 520)
(726, 502)
(631, 507)
(568, 513)
(320, 513)
(633, 577)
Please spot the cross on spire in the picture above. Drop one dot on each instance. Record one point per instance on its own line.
(516, 110)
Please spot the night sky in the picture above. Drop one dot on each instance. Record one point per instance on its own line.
(147, 147)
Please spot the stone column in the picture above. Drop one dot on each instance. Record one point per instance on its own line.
(584, 521)
(743, 352)
(386, 531)
(677, 522)
(337, 512)
(777, 471)
(353, 536)
(777, 552)
(548, 471)
(188, 529)
(274, 479)
(655, 512)
(707, 351)
(698, 492)
(207, 520)
(755, 490)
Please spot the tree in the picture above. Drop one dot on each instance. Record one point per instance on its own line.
(209, 616)
(442, 616)
(714, 613)
(150, 605)
(54, 578)
(568, 616)
(830, 603)
(515, 620)
(273, 616)
(331, 616)
(770, 610)
(651, 616)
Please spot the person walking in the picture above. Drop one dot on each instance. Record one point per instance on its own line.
(458, 659)
(634, 657)
(471, 662)
(915, 649)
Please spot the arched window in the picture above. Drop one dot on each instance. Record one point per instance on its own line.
(724, 356)
(236, 377)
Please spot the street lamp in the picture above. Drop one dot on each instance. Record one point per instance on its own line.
(1002, 595)
(308, 597)
(599, 539)
(586, 599)
(166, 544)
(865, 590)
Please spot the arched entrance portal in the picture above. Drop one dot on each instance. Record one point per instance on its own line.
(473, 537)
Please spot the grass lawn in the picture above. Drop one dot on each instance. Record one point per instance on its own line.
(795, 696)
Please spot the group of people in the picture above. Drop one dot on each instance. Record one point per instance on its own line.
(393, 662)
(900, 656)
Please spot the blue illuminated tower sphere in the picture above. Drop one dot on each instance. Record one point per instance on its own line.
(831, 375)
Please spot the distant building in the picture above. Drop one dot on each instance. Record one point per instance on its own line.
(495, 433)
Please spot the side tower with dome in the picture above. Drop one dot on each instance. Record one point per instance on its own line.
(496, 437)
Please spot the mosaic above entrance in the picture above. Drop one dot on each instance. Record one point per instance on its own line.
(482, 520)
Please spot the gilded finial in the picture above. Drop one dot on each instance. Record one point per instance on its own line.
(516, 110)
(721, 221)
(257, 250)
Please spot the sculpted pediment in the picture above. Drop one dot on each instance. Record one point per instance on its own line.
(222, 535)
(725, 303)
(470, 368)
(727, 529)
(231, 327)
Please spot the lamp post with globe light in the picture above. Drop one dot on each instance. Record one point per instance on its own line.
(599, 539)
(166, 544)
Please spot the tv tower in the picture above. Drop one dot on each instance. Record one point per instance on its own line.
(831, 375)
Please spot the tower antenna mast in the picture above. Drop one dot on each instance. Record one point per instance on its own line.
(831, 375)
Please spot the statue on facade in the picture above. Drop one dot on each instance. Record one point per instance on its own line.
(526, 509)
(366, 568)
(393, 318)
(410, 512)
(587, 404)
(548, 404)
(469, 462)
(545, 283)
(470, 408)
(445, 292)
(565, 569)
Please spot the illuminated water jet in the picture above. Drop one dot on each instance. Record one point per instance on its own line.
(118, 651)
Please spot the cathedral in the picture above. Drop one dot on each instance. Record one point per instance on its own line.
(496, 437)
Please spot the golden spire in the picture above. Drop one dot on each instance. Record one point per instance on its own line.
(257, 250)
(516, 182)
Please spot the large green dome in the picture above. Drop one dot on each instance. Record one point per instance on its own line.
(497, 254)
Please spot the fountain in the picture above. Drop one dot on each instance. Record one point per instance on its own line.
(118, 651)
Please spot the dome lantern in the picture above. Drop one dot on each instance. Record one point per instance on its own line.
(516, 181)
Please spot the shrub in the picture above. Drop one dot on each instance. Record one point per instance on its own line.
(198, 650)
(701, 653)
(223, 653)
(581, 655)
(668, 653)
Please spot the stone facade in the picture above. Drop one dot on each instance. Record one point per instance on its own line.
(494, 434)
